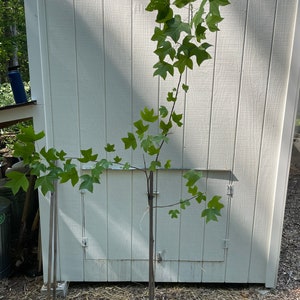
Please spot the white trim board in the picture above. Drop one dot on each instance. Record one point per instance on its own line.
(284, 159)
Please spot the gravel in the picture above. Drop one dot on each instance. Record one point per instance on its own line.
(20, 286)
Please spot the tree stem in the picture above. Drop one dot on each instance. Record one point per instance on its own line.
(151, 238)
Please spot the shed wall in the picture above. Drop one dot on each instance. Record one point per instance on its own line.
(96, 68)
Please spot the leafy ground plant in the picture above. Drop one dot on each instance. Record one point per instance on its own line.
(179, 46)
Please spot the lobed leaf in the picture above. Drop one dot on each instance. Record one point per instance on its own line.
(17, 181)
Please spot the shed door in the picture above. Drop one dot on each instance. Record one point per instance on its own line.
(116, 229)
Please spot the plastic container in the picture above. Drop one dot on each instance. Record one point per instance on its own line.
(17, 85)
(5, 261)
(17, 205)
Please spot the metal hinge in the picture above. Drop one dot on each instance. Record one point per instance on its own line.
(229, 190)
(226, 243)
(84, 242)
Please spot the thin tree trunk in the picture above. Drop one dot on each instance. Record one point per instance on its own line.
(50, 247)
(151, 239)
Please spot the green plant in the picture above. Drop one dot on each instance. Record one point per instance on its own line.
(179, 46)
(6, 94)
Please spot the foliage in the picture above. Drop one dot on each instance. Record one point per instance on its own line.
(13, 37)
(6, 94)
(179, 46)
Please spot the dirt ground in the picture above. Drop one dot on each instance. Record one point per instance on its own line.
(24, 286)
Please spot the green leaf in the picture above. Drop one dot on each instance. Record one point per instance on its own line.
(212, 22)
(213, 209)
(163, 111)
(87, 182)
(61, 155)
(104, 163)
(17, 181)
(182, 3)
(171, 97)
(159, 36)
(183, 62)
(37, 168)
(45, 183)
(147, 143)
(165, 127)
(130, 141)
(201, 53)
(157, 5)
(198, 17)
(148, 115)
(154, 165)
(126, 166)
(164, 15)
(185, 87)
(192, 176)
(200, 32)
(200, 197)
(117, 159)
(87, 156)
(184, 204)
(177, 119)
(193, 190)
(110, 148)
(24, 150)
(50, 154)
(71, 174)
(165, 48)
(174, 27)
(215, 203)
(174, 213)
(167, 164)
(152, 150)
(27, 134)
(162, 69)
(210, 214)
(141, 128)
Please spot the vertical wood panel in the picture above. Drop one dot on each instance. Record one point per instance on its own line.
(144, 85)
(70, 233)
(275, 107)
(140, 228)
(95, 217)
(167, 229)
(118, 73)
(215, 232)
(227, 71)
(255, 70)
(63, 74)
(91, 68)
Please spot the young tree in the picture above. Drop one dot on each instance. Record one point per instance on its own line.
(179, 46)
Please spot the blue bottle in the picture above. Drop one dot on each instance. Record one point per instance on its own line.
(17, 85)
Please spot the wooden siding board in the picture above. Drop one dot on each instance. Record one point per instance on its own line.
(278, 80)
(167, 229)
(197, 114)
(63, 75)
(118, 73)
(228, 57)
(95, 221)
(255, 70)
(292, 99)
(144, 85)
(90, 73)
(70, 233)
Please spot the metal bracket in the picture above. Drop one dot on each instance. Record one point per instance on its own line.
(229, 190)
